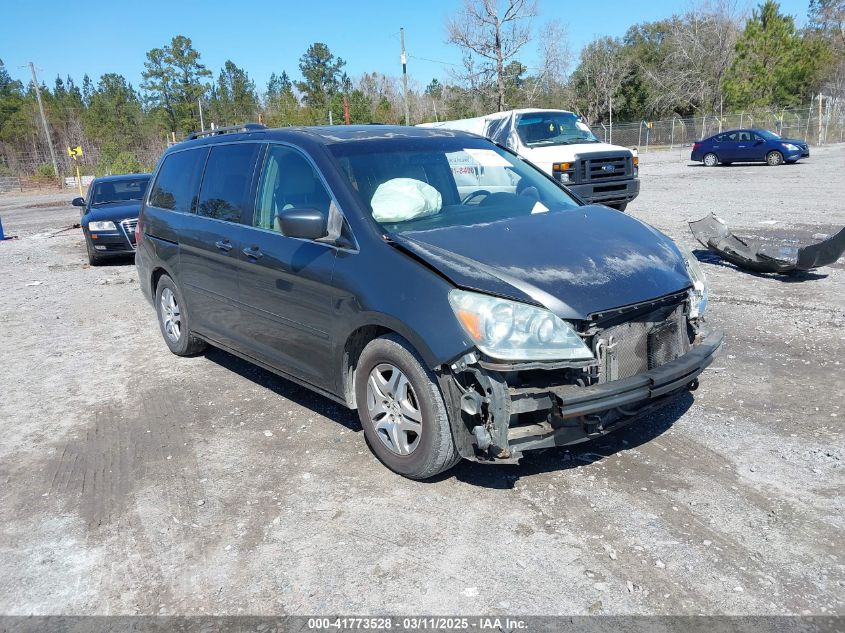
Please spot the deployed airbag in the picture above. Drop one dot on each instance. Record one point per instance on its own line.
(757, 256)
(402, 199)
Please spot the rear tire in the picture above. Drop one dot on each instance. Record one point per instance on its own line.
(774, 158)
(173, 319)
(710, 160)
(402, 410)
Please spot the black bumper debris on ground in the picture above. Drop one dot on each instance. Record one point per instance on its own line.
(762, 257)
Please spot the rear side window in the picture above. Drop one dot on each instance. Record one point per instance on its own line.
(227, 181)
(178, 180)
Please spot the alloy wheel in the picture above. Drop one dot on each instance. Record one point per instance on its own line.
(710, 160)
(171, 315)
(394, 409)
(774, 159)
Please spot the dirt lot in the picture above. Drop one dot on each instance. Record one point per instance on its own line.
(134, 481)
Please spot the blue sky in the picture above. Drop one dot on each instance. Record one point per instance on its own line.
(99, 36)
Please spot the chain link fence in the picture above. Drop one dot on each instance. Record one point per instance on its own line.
(24, 171)
(21, 171)
(808, 124)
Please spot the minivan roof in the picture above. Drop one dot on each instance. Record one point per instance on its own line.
(326, 134)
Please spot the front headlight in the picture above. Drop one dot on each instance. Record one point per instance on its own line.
(698, 293)
(101, 226)
(790, 147)
(510, 330)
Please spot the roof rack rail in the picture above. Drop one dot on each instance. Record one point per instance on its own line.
(232, 129)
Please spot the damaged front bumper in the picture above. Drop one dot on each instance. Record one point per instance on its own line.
(713, 234)
(516, 419)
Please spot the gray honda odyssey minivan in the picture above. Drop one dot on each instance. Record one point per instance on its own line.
(466, 304)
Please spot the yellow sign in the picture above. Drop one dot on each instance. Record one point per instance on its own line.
(74, 152)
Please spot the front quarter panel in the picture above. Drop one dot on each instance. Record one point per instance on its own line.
(382, 286)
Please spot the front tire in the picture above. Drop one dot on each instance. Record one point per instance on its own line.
(402, 410)
(173, 319)
(620, 206)
(774, 158)
(93, 259)
(710, 160)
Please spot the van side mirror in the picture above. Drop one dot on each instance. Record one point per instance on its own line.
(306, 224)
(78, 202)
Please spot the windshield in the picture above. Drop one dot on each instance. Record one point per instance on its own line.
(119, 190)
(430, 183)
(553, 128)
(771, 136)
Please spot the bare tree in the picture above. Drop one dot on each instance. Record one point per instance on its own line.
(700, 50)
(554, 54)
(494, 31)
(603, 69)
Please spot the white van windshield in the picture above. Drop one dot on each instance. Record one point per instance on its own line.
(553, 128)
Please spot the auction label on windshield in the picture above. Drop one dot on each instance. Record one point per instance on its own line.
(416, 623)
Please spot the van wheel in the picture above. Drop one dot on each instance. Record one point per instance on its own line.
(619, 206)
(711, 160)
(402, 410)
(774, 158)
(173, 319)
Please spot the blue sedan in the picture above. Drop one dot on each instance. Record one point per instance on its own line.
(748, 146)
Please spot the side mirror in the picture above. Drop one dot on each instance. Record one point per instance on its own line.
(78, 202)
(306, 224)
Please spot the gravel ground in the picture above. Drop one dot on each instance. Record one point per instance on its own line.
(136, 482)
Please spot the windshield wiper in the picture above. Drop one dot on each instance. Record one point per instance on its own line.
(575, 141)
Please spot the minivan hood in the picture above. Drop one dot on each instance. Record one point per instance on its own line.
(574, 263)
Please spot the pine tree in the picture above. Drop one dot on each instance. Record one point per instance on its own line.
(774, 65)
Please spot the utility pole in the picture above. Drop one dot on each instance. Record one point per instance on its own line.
(405, 75)
(202, 122)
(44, 120)
(821, 99)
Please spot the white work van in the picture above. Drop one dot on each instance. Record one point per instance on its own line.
(562, 145)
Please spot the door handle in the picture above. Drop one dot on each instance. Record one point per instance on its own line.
(253, 252)
(223, 245)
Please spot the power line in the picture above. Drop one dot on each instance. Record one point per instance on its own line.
(434, 61)
(440, 61)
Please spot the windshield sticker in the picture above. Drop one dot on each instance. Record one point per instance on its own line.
(539, 207)
(487, 158)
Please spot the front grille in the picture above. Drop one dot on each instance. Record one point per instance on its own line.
(128, 227)
(598, 168)
(634, 347)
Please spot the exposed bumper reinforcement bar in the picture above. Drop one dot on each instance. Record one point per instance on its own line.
(645, 392)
